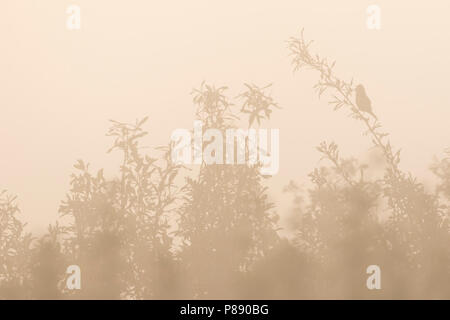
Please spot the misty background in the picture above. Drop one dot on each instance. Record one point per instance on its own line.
(132, 59)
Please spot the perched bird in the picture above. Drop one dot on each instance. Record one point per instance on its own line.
(363, 102)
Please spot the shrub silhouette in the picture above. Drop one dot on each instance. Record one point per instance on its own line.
(15, 251)
(226, 219)
(155, 230)
(411, 245)
(120, 228)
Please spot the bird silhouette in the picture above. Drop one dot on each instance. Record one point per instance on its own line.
(363, 102)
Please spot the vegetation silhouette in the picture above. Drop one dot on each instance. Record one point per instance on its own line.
(160, 230)
(342, 225)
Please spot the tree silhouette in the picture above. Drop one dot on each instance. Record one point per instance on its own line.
(226, 219)
(155, 229)
(15, 251)
(120, 228)
(412, 242)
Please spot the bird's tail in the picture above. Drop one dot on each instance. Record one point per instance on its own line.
(373, 115)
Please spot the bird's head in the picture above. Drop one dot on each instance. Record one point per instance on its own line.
(359, 88)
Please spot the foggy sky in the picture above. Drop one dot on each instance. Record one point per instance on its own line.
(136, 58)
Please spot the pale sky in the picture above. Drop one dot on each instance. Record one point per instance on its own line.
(137, 58)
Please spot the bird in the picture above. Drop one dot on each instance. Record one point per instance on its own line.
(363, 102)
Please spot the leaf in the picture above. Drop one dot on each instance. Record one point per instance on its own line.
(79, 165)
(142, 121)
(100, 174)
